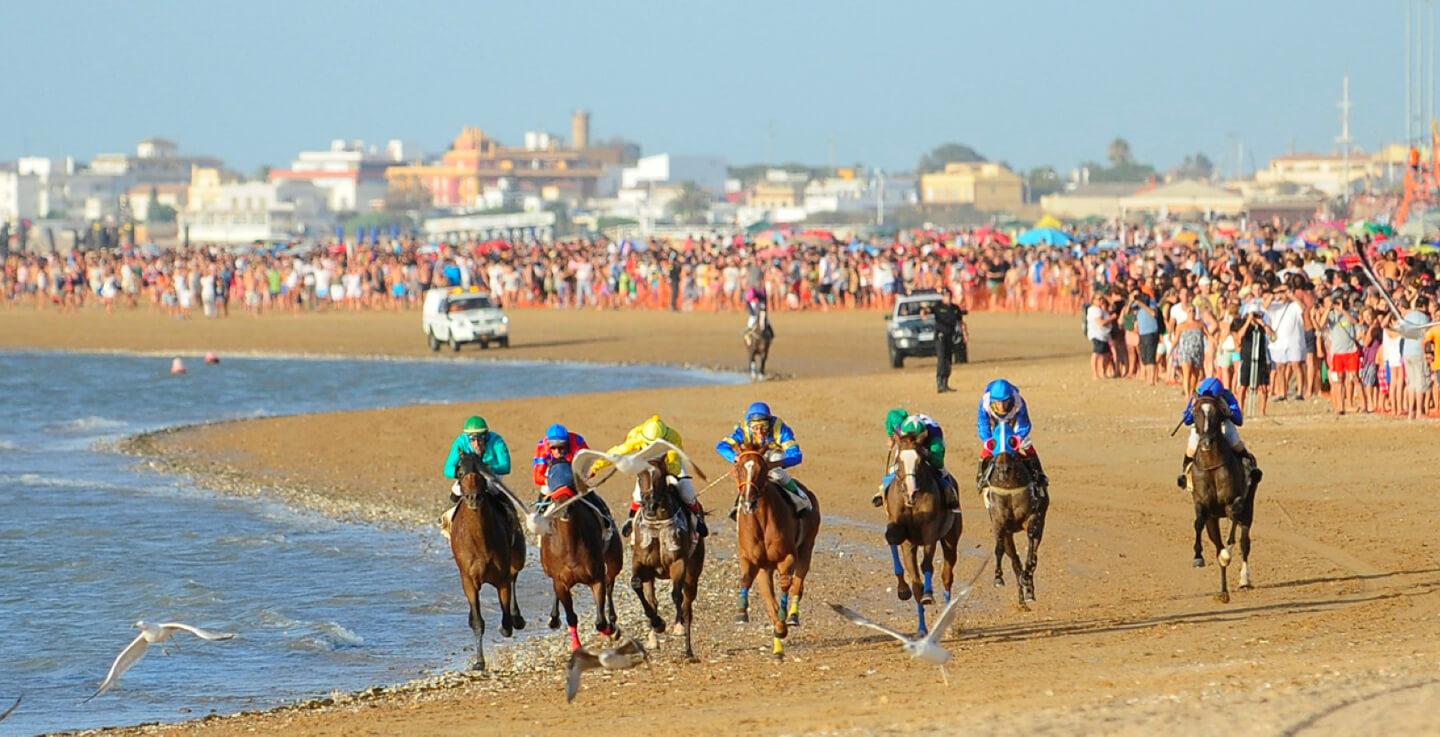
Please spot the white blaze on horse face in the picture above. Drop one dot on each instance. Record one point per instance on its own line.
(908, 459)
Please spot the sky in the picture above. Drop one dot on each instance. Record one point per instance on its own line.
(1039, 82)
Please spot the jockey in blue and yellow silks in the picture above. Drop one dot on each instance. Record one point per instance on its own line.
(1002, 404)
(764, 431)
(1213, 387)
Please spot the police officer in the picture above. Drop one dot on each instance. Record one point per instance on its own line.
(947, 326)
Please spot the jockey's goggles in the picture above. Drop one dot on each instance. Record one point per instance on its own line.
(557, 444)
(1001, 406)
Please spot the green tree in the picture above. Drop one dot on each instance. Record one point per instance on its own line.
(1119, 153)
(690, 205)
(156, 212)
(1042, 180)
(946, 153)
(1196, 166)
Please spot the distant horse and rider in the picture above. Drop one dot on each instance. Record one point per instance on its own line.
(1222, 478)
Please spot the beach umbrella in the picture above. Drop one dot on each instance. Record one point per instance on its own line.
(988, 232)
(1049, 221)
(1427, 249)
(1037, 236)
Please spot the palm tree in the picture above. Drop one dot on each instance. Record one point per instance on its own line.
(690, 205)
(1119, 152)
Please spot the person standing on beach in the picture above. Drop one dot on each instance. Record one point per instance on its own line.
(947, 327)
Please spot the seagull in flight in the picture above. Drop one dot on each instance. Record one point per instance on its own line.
(925, 648)
(624, 656)
(12, 708)
(150, 634)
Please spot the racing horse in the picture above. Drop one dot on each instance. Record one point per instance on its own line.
(1015, 506)
(665, 546)
(579, 547)
(1220, 486)
(918, 519)
(773, 539)
(758, 338)
(488, 548)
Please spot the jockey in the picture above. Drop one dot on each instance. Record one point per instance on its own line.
(477, 439)
(640, 436)
(899, 421)
(1002, 403)
(553, 473)
(764, 431)
(1213, 387)
(759, 313)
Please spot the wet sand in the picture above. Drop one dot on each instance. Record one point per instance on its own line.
(1124, 639)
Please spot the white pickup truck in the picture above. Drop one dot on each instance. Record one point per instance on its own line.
(455, 316)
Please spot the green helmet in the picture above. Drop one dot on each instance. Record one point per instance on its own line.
(912, 426)
(894, 418)
(476, 425)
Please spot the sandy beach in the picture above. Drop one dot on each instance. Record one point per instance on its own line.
(1125, 637)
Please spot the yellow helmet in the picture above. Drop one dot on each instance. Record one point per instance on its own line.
(653, 429)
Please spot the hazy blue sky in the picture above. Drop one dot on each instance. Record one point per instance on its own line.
(1029, 82)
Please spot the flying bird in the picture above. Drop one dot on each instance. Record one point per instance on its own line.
(12, 708)
(150, 634)
(925, 648)
(624, 656)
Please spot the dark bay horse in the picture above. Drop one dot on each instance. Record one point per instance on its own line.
(918, 519)
(773, 540)
(1014, 507)
(488, 549)
(578, 547)
(1221, 488)
(758, 338)
(664, 546)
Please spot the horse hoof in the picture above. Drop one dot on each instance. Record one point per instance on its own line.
(554, 623)
(657, 624)
(1199, 563)
(690, 658)
(793, 620)
(1023, 607)
(1245, 585)
(742, 618)
(507, 632)
(1224, 557)
(1223, 597)
(478, 667)
(518, 621)
(903, 592)
(999, 582)
(677, 628)
(652, 642)
(928, 599)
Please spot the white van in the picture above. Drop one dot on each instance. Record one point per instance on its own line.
(457, 315)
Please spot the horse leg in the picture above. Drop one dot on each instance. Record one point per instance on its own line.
(1199, 526)
(602, 622)
(764, 357)
(902, 589)
(504, 593)
(555, 610)
(677, 597)
(1245, 556)
(1019, 571)
(1032, 555)
(477, 622)
(747, 578)
(1225, 554)
(796, 586)
(949, 552)
(927, 569)
(572, 622)
(1212, 527)
(999, 558)
(772, 607)
(691, 584)
(516, 618)
(643, 584)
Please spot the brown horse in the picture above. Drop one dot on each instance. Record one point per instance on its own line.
(1014, 507)
(488, 549)
(773, 539)
(1221, 488)
(918, 519)
(758, 338)
(664, 546)
(578, 546)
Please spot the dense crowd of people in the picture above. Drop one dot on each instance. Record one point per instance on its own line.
(1273, 310)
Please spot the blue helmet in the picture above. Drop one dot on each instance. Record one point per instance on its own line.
(1001, 390)
(1211, 387)
(758, 411)
(557, 433)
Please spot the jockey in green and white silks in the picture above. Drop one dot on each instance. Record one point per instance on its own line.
(900, 421)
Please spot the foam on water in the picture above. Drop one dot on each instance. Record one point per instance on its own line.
(90, 545)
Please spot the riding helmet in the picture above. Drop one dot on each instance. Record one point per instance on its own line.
(476, 425)
(653, 428)
(557, 433)
(894, 418)
(758, 411)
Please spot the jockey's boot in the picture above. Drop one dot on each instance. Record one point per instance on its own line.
(1037, 471)
(797, 497)
(629, 525)
(879, 499)
(735, 509)
(1184, 469)
(449, 513)
(698, 510)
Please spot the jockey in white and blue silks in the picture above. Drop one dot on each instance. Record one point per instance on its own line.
(1001, 404)
(1213, 387)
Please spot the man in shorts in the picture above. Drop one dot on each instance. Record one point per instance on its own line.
(1343, 345)
(1097, 329)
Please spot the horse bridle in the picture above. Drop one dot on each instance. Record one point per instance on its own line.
(748, 483)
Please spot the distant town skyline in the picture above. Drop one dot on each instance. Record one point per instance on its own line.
(1039, 83)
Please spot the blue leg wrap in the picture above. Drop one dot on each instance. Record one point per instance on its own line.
(895, 558)
(920, 613)
(929, 589)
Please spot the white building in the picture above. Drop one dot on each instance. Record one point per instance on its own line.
(244, 212)
(352, 177)
(706, 172)
(860, 194)
(156, 161)
(18, 196)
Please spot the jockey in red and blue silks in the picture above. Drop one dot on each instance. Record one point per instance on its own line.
(764, 431)
(1213, 387)
(1001, 404)
(553, 472)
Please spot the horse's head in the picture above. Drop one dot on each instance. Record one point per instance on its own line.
(1004, 446)
(472, 481)
(1210, 414)
(907, 455)
(752, 472)
(656, 500)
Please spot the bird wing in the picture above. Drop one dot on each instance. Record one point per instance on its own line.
(953, 608)
(858, 618)
(12, 708)
(580, 661)
(632, 647)
(127, 657)
(202, 634)
(496, 482)
(648, 454)
(586, 459)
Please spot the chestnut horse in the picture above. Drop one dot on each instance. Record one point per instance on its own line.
(488, 549)
(1014, 507)
(773, 539)
(578, 546)
(1221, 487)
(918, 519)
(665, 546)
